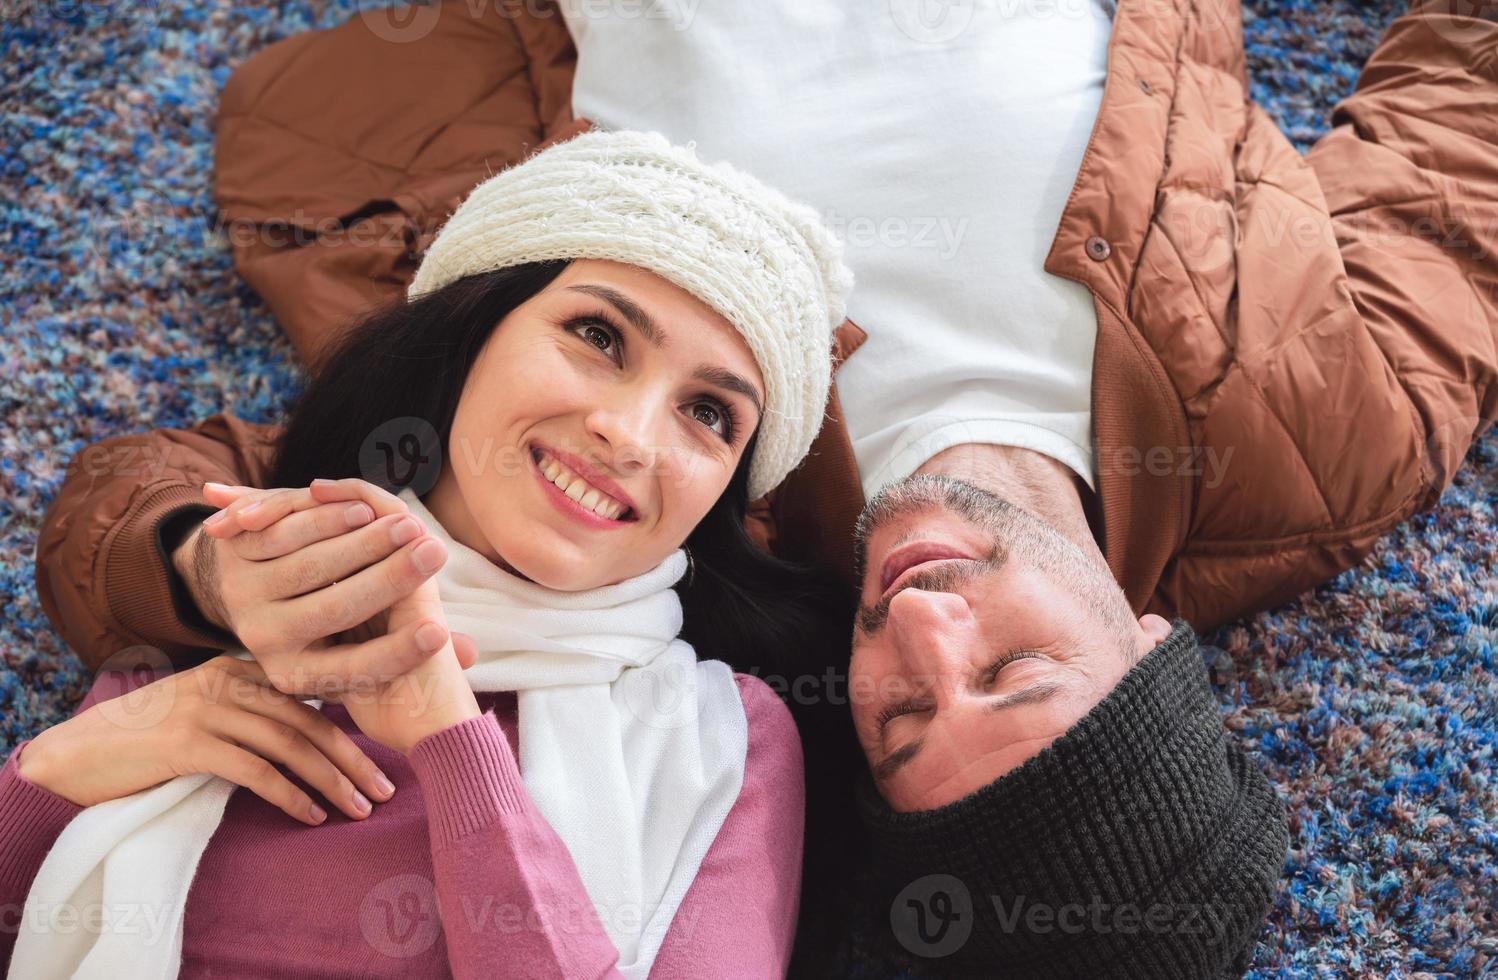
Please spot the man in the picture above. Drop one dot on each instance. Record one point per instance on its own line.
(1052, 791)
(1173, 348)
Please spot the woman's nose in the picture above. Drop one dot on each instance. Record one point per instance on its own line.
(629, 427)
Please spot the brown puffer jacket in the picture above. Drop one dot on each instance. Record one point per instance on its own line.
(1293, 353)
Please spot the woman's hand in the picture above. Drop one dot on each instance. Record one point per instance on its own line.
(430, 697)
(222, 717)
(303, 577)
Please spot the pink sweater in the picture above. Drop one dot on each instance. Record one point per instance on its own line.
(457, 875)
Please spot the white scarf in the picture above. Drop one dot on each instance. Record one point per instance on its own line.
(631, 749)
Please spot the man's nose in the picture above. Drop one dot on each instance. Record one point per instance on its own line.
(934, 634)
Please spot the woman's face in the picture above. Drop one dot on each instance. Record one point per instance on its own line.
(601, 421)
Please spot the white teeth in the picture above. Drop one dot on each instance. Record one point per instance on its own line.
(578, 489)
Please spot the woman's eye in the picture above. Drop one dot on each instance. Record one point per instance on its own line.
(715, 417)
(598, 337)
(598, 332)
(705, 414)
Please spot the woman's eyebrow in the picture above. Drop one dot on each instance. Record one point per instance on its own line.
(631, 310)
(727, 380)
(636, 315)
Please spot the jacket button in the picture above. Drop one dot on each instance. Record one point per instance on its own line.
(1098, 248)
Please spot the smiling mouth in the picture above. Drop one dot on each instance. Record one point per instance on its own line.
(579, 490)
(905, 559)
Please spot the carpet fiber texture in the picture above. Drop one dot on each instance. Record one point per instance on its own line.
(1372, 699)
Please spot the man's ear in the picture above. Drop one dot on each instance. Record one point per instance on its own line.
(1157, 628)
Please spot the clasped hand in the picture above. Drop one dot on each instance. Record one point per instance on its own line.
(299, 576)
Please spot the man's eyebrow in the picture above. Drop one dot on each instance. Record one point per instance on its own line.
(893, 762)
(726, 379)
(631, 310)
(1034, 694)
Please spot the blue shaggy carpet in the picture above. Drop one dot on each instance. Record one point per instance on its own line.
(1372, 699)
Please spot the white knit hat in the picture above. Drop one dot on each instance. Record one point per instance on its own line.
(763, 261)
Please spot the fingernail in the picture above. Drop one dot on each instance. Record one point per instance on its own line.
(428, 556)
(430, 637)
(214, 517)
(404, 530)
(318, 813)
(251, 505)
(216, 486)
(358, 515)
(383, 784)
(323, 482)
(360, 802)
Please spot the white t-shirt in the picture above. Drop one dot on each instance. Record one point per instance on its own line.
(940, 141)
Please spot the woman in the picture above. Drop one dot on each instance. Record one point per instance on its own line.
(607, 352)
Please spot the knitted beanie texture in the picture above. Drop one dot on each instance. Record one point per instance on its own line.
(763, 261)
(1143, 843)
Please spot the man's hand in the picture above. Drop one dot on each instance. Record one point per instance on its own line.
(288, 571)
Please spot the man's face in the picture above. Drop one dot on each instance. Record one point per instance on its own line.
(982, 636)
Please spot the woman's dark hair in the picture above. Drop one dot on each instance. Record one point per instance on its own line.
(761, 615)
(408, 361)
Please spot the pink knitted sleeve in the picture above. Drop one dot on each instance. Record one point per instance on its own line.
(31, 818)
(509, 894)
